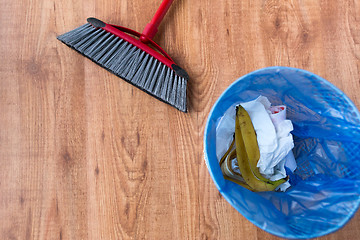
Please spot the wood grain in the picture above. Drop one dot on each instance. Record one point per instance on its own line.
(85, 155)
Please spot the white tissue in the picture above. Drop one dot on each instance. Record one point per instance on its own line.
(273, 135)
(264, 128)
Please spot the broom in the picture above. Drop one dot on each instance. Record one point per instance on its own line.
(133, 56)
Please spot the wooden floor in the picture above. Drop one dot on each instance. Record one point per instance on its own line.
(85, 155)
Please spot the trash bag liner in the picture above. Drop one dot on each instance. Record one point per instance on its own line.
(326, 184)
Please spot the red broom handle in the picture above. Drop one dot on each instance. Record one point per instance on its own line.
(151, 28)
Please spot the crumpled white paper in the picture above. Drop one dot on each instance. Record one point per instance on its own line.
(273, 135)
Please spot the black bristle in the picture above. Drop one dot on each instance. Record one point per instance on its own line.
(129, 62)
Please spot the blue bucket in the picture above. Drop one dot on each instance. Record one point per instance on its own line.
(325, 190)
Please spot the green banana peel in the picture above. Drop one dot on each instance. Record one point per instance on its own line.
(247, 153)
(243, 160)
(250, 144)
(228, 151)
(238, 182)
(230, 174)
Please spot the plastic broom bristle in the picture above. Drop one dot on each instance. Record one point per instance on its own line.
(129, 63)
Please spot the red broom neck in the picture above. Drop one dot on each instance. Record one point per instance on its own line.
(151, 28)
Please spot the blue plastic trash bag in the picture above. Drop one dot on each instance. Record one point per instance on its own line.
(325, 190)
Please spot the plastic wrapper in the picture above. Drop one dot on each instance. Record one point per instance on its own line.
(325, 191)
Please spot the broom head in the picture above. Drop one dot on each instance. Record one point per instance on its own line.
(120, 51)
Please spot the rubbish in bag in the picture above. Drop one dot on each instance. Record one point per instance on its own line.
(273, 136)
(241, 164)
(325, 191)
